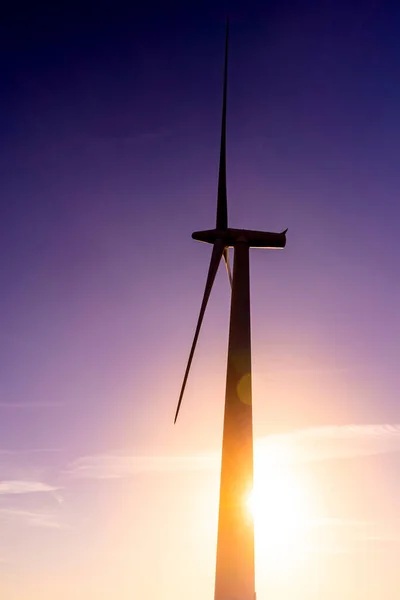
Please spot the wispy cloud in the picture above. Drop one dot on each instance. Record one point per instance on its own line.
(120, 466)
(313, 444)
(29, 405)
(331, 442)
(13, 487)
(19, 451)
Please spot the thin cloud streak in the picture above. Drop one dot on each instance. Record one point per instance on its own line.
(16, 487)
(330, 443)
(118, 467)
(313, 444)
(14, 452)
(30, 405)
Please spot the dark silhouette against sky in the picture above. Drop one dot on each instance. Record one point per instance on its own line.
(109, 142)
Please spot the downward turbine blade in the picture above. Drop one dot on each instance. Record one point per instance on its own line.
(218, 249)
(227, 265)
(222, 207)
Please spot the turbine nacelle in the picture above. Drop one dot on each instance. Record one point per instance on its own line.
(230, 237)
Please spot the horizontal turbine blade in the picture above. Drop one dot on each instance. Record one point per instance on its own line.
(218, 249)
(227, 265)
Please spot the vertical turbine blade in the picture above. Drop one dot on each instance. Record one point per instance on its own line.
(222, 208)
(218, 249)
(227, 265)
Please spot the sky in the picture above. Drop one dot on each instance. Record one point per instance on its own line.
(109, 144)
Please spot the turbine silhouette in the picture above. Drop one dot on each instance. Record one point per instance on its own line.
(234, 577)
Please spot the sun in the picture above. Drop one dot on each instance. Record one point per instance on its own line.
(283, 509)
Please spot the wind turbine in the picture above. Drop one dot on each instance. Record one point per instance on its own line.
(234, 577)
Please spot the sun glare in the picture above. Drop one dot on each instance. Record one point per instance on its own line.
(283, 510)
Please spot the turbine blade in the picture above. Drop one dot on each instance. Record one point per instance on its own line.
(227, 265)
(218, 249)
(222, 205)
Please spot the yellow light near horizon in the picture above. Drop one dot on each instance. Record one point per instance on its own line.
(283, 510)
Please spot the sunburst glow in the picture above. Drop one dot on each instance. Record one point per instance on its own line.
(283, 509)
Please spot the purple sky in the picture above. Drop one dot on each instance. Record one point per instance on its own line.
(109, 141)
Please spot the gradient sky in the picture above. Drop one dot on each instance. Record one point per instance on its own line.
(109, 141)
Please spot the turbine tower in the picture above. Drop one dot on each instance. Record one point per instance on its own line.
(234, 576)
